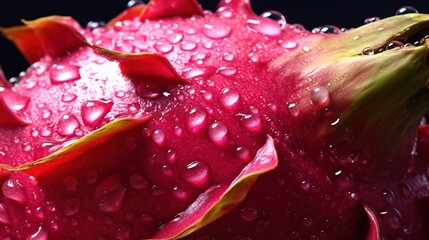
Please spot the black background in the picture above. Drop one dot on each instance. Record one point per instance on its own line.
(309, 13)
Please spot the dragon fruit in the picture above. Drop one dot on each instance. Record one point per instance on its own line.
(173, 122)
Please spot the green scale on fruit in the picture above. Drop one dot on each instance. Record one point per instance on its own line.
(172, 122)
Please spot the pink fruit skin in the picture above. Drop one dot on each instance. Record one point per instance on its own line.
(208, 95)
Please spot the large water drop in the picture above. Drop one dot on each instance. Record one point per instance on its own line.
(265, 26)
(138, 182)
(67, 125)
(158, 137)
(163, 47)
(405, 10)
(13, 189)
(196, 120)
(93, 112)
(196, 173)
(218, 133)
(249, 214)
(110, 194)
(229, 98)
(71, 206)
(320, 96)
(252, 122)
(276, 16)
(217, 30)
(63, 73)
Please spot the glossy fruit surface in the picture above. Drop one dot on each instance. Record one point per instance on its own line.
(172, 122)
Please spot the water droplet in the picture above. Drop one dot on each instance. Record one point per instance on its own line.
(254, 57)
(180, 193)
(171, 155)
(91, 177)
(46, 113)
(138, 182)
(196, 173)
(167, 170)
(320, 97)
(190, 31)
(54, 225)
(229, 98)
(63, 73)
(405, 10)
(276, 16)
(157, 191)
(174, 37)
(226, 71)
(68, 97)
(272, 107)
(224, 12)
(110, 194)
(243, 153)
(158, 137)
(218, 133)
(40, 234)
(119, 94)
(265, 26)
(293, 109)
(133, 108)
(288, 44)
(249, 214)
(228, 57)
(251, 121)
(216, 31)
(307, 222)
(422, 41)
(4, 216)
(163, 47)
(46, 131)
(71, 206)
(206, 95)
(388, 195)
(371, 19)
(91, 25)
(329, 29)
(394, 44)
(305, 185)
(196, 120)
(188, 46)
(26, 146)
(391, 216)
(67, 125)
(178, 131)
(368, 51)
(93, 112)
(147, 91)
(343, 179)
(38, 212)
(70, 183)
(50, 206)
(34, 132)
(132, 3)
(335, 122)
(14, 190)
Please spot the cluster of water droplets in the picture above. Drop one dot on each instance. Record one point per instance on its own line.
(394, 44)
